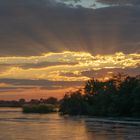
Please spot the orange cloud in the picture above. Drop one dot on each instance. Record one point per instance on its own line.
(83, 62)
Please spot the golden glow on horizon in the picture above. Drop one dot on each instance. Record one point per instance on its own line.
(35, 93)
(75, 64)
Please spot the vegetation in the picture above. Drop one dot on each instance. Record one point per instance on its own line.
(119, 96)
(19, 103)
(42, 108)
(22, 102)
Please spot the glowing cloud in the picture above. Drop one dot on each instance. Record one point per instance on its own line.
(83, 61)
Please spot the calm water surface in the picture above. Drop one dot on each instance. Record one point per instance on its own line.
(17, 126)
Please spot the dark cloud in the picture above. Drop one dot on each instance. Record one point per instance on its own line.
(32, 27)
(104, 72)
(14, 89)
(16, 83)
(38, 65)
(70, 74)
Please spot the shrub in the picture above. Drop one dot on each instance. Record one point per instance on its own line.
(41, 108)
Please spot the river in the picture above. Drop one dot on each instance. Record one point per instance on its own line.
(14, 125)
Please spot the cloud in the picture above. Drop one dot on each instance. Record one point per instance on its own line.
(23, 84)
(64, 57)
(69, 57)
(75, 64)
(104, 72)
(89, 4)
(16, 89)
(80, 39)
(30, 27)
(120, 2)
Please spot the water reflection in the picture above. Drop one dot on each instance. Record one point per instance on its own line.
(117, 131)
(17, 126)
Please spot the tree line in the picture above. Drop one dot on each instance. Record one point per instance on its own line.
(22, 102)
(116, 97)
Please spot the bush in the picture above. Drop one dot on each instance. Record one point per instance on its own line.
(42, 108)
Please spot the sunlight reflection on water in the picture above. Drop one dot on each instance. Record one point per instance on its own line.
(17, 126)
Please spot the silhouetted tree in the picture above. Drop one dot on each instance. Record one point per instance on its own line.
(136, 101)
(22, 101)
(74, 104)
(118, 96)
(51, 100)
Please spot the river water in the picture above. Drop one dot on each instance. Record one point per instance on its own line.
(14, 125)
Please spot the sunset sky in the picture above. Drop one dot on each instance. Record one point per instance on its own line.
(48, 47)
